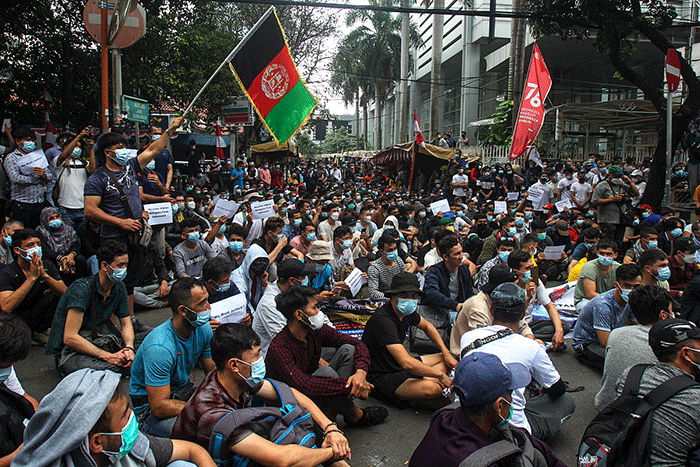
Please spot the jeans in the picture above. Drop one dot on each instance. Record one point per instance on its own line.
(592, 354)
(341, 364)
(156, 427)
(72, 217)
(148, 296)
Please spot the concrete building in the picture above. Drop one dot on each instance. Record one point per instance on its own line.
(598, 112)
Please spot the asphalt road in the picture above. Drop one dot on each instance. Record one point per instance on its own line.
(391, 443)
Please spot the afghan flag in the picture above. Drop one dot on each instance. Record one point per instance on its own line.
(267, 74)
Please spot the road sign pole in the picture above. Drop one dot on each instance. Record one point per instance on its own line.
(116, 82)
(669, 143)
(105, 71)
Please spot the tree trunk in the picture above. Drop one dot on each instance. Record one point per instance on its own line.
(377, 116)
(435, 77)
(357, 119)
(402, 118)
(364, 125)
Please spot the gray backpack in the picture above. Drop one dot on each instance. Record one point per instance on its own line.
(287, 424)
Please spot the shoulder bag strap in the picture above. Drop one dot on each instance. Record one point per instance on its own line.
(634, 377)
(490, 454)
(127, 207)
(479, 342)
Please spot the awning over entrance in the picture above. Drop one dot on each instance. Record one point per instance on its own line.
(617, 114)
(404, 152)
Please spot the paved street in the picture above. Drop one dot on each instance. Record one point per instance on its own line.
(386, 445)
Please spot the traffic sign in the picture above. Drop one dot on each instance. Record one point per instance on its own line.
(133, 28)
(239, 112)
(673, 70)
(136, 109)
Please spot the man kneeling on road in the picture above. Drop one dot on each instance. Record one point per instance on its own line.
(542, 416)
(82, 333)
(322, 363)
(485, 386)
(239, 374)
(398, 377)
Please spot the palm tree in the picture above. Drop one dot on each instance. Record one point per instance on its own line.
(347, 80)
(374, 47)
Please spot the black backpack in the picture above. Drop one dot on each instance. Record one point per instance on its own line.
(619, 434)
(14, 411)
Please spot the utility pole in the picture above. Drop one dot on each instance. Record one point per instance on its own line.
(403, 109)
(435, 78)
(516, 62)
(116, 82)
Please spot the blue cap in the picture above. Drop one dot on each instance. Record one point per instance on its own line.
(482, 377)
(449, 215)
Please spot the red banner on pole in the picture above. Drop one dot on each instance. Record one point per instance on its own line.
(531, 113)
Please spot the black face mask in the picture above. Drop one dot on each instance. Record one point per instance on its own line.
(258, 268)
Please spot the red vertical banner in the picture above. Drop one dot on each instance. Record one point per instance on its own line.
(220, 145)
(531, 113)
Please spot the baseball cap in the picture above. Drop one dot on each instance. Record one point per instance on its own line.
(508, 298)
(292, 267)
(404, 282)
(499, 274)
(482, 377)
(644, 206)
(615, 169)
(562, 228)
(684, 244)
(637, 173)
(667, 333)
(319, 251)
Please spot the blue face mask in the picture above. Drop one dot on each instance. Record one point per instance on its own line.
(235, 246)
(223, 288)
(151, 165)
(393, 256)
(257, 372)
(541, 236)
(121, 156)
(155, 137)
(527, 277)
(5, 373)
(676, 232)
(503, 256)
(222, 229)
(625, 294)
(528, 214)
(128, 435)
(663, 274)
(28, 146)
(297, 223)
(29, 254)
(512, 232)
(118, 274)
(605, 260)
(193, 237)
(653, 244)
(176, 208)
(55, 224)
(579, 222)
(645, 214)
(489, 219)
(77, 152)
(202, 317)
(311, 237)
(346, 244)
(519, 221)
(8, 240)
(635, 222)
(406, 306)
(278, 238)
(305, 282)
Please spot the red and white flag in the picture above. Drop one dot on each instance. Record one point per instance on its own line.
(531, 114)
(416, 130)
(220, 145)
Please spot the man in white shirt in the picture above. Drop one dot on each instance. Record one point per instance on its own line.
(547, 195)
(460, 183)
(341, 249)
(564, 184)
(543, 415)
(326, 228)
(581, 191)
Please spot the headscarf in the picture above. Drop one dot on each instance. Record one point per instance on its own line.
(250, 286)
(379, 232)
(59, 240)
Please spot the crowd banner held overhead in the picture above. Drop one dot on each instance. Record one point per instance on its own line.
(531, 113)
(220, 145)
(267, 74)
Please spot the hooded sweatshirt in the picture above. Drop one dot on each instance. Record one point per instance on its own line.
(241, 277)
(57, 434)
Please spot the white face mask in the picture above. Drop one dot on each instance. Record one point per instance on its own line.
(315, 321)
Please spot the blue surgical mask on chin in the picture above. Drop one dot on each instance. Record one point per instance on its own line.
(257, 372)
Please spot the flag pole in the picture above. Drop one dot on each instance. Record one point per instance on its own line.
(230, 56)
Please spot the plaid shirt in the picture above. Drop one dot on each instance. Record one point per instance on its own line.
(293, 361)
(681, 273)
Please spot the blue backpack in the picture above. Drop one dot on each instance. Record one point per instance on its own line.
(287, 424)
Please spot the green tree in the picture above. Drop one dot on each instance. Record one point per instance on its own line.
(618, 26)
(306, 145)
(335, 141)
(500, 132)
(374, 47)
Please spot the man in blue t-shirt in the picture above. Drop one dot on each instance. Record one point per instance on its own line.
(237, 175)
(104, 204)
(604, 313)
(160, 383)
(163, 160)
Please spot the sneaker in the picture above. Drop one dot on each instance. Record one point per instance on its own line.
(41, 338)
(138, 327)
(373, 415)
